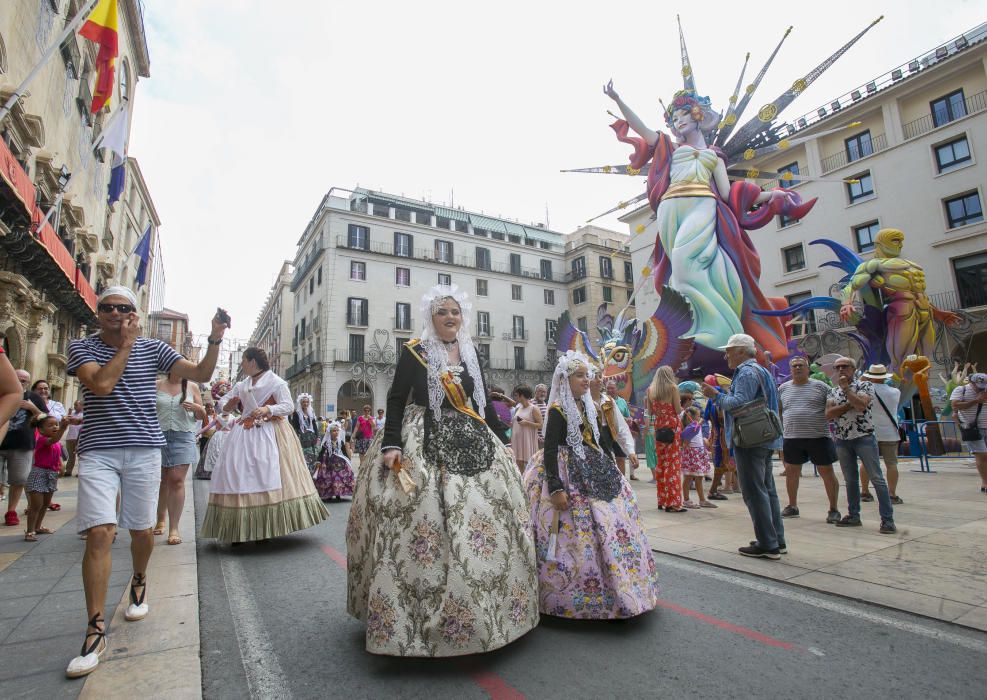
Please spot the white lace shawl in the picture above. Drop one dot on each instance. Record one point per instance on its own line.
(562, 395)
(302, 415)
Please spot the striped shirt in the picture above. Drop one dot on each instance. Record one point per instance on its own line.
(128, 416)
(803, 409)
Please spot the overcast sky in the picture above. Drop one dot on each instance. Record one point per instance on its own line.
(255, 109)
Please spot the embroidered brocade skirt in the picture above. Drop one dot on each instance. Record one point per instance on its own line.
(448, 569)
(334, 478)
(603, 567)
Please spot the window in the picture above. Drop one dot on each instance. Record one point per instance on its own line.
(551, 330)
(860, 187)
(859, 146)
(481, 288)
(403, 244)
(864, 236)
(517, 328)
(784, 220)
(483, 324)
(581, 324)
(786, 175)
(579, 295)
(515, 264)
(606, 267)
(518, 357)
(164, 331)
(357, 311)
(445, 279)
(402, 316)
(608, 294)
(497, 235)
(482, 259)
(794, 258)
(550, 297)
(803, 323)
(319, 275)
(356, 348)
(516, 292)
(402, 276)
(399, 346)
(443, 251)
(971, 280)
(311, 284)
(402, 214)
(544, 245)
(545, 267)
(628, 271)
(513, 239)
(358, 270)
(303, 329)
(358, 237)
(947, 108)
(964, 209)
(578, 268)
(483, 354)
(953, 154)
(480, 232)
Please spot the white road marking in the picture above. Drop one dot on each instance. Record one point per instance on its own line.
(833, 606)
(260, 663)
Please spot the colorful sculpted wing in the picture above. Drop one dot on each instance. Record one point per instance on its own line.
(569, 337)
(660, 340)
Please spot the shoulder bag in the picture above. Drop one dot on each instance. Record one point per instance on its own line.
(754, 423)
(970, 433)
(901, 431)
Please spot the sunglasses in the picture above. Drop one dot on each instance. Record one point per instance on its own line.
(122, 308)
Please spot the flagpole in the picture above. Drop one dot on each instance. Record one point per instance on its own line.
(69, 29)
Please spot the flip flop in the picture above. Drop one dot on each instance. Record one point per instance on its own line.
(174, 539)
(55, 506)
(159, 529)
(44, 531)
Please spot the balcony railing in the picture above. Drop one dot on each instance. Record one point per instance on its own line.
(484, 332)
(304, 364)
(574, 275)
(956, 301)
(516, 334)
(403, 324)
(428, 255)
(842, 159)
(923, 125)
(306, 267)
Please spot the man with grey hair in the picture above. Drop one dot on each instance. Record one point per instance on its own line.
(757, 483)
(849, 407)
(119, 450)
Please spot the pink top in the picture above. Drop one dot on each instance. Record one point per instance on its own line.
(364, 427)
(47, 455)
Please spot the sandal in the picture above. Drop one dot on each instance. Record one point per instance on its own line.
(54, 506)
(88, 659)
(30, 537)
(44, 531)
(159, 529)
(137, 610)
(174, 539)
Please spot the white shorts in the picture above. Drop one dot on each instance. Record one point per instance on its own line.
(133, 471)
(976, 445)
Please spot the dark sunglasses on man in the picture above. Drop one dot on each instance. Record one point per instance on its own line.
(122, 308)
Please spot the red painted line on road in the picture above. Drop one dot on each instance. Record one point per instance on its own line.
(495, 687)
(491, 683)
(730, 627)
(335, 555)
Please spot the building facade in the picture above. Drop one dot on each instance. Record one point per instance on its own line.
(908, 157)
(598, 271)
(275, 324)
(363, 264)
(58, 239)
(172, 327)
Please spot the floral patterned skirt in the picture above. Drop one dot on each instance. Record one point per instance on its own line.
(448, 569)
(334, 478)
(603, 567)
(310, 448)
(695, 461)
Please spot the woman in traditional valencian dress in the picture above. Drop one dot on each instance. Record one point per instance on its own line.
(440, 556)
(260, 487)
(594, 560)
(334, 471)
(306, 426)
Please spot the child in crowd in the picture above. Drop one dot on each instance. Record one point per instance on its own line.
(334, 474)
(695, 458)
(42, 482)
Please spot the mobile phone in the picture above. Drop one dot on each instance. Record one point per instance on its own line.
(224, 317)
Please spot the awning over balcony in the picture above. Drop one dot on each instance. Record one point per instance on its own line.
(16, 179)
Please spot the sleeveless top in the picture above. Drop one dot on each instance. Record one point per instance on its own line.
(172, 416)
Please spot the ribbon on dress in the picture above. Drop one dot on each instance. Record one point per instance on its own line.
(457, 395)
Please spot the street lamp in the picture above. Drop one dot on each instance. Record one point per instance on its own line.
(63, 182)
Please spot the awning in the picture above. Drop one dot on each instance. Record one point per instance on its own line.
(16, 179)
(541, 234)
(487, 224)
(454, 214)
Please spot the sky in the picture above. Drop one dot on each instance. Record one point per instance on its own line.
(255, 109)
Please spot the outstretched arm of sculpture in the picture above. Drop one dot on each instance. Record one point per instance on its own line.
(867, 273)
(633, 120)
(947, 317)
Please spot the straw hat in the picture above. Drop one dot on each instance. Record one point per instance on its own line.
(879, 372)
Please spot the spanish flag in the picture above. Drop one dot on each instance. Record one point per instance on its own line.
(102, 27)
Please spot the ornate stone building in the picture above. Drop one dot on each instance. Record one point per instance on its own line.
(275, 322)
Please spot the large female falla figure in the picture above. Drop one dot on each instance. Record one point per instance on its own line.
(441, 560)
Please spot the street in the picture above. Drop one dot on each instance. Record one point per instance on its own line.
(274, 624)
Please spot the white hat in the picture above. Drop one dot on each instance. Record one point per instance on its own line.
(979, 380)
(877, 372)
(740, 340)
(119, 291)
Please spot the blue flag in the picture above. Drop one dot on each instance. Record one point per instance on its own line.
(117, 179)
(143, 251)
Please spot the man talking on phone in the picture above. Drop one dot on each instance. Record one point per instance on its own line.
(119, 450)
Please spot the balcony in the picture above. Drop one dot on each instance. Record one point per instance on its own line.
(842, 159)
(484, 332)
(574, 275)
(516, 334)
(428, 255)
(403, 324)
(923, 125)
(306, 267)
(954, 301)
(305, 364)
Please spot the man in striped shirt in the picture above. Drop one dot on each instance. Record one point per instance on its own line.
(119, 449)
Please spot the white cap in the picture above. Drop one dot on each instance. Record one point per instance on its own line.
(740, 340)
(119, 291)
